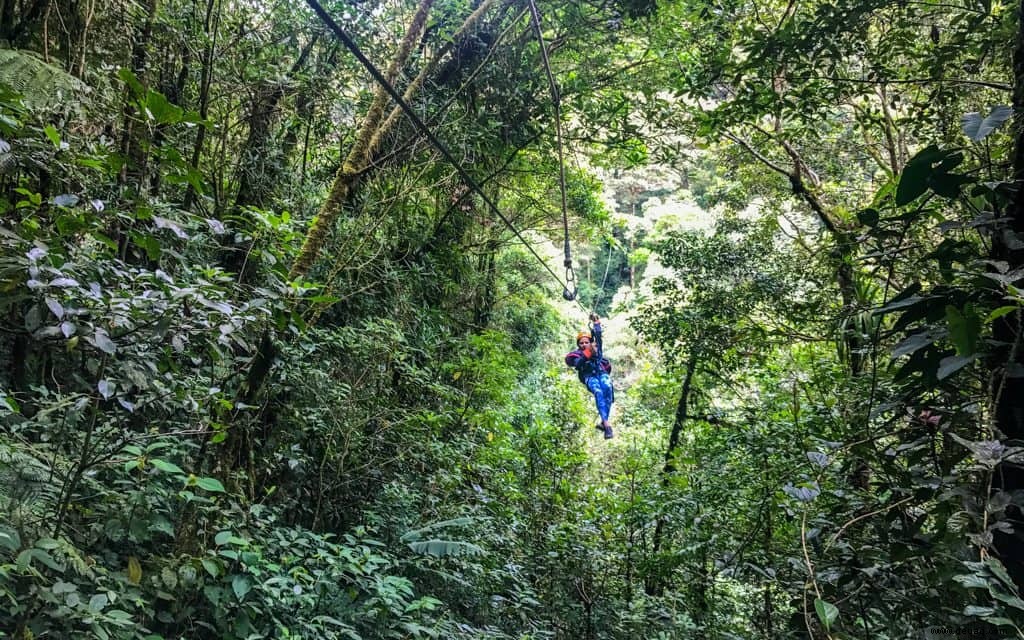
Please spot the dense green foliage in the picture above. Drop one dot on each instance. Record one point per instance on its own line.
(270, 369)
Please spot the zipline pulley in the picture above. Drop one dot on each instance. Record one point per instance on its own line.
(570, 281)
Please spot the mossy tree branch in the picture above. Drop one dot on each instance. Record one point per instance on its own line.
(358, 156)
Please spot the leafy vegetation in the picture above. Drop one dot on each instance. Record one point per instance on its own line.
(271, 368)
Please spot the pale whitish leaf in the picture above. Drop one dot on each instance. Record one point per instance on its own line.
(5, 146)
(97, 602)
(223, 307)
(105, 388)
(972, 610)
(34, 318)
(24, 559)
(129, 407)
(818, 458)
(168, 577)
(996, 567)
(442, 548)
(216, 226)
(10, 539)
(47, 332)
(61, 587)
(63, 282)
(802, 493)
(97, 204)
(1002, 266)
(47, 543)
(68, 328)
(104, 343)
(65, 200)
(1006, 278)
(55, 308)
(35, 253)
(416, 534)
(164, 223)
(1006, 598)
(978, 129)
(986, 452)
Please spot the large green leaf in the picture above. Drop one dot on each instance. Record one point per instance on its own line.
(964, 329)
(827, 612)
(914, 179)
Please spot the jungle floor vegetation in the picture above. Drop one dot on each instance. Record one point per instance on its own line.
(272, 367)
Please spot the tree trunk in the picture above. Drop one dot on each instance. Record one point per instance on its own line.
(256, 172)
(655, 584)
(135, 166)
(1008, 400)
(211, 28)
(15, 31)
(360, 153)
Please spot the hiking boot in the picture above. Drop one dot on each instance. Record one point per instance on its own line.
(600, 425)
(608, 433)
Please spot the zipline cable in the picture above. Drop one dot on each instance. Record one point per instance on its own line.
(556, 101)
(379, 77)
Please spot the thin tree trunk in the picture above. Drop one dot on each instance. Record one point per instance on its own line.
(655, 584)
(211, 29)
(1007, 331)
(359, 155)
(767, 610)
(135, 167)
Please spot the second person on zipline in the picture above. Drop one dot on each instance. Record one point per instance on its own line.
(593, 370)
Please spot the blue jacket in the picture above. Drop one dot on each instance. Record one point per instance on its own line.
(596, 364)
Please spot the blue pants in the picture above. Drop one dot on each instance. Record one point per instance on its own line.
(604, 395)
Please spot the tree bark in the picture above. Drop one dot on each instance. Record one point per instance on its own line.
(655, 584)
(256, 178)
(359, 155)
(1008, 391)
(211, 28)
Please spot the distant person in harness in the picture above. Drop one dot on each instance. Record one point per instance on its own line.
(593, 370)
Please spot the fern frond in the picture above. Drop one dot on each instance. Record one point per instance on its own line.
(442, 548)
(43, 85)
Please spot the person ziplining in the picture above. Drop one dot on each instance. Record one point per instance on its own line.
(594, 370)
